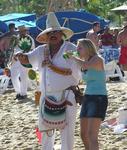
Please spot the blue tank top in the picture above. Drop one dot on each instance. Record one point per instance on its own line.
(95, 82)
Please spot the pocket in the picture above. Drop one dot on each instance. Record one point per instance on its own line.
(103, 102)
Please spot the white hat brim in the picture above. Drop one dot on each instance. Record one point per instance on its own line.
(42, 37)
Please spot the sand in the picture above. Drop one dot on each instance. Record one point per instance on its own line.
(18, 121)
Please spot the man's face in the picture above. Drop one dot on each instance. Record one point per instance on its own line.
(97, 27)
(54, 37)
(107, 30)
(12, 29)
(23, 32)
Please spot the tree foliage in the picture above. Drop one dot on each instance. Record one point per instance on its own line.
(40, 7)
(103, 8)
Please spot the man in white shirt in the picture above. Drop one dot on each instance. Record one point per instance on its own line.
(57, 74)
(19, 73)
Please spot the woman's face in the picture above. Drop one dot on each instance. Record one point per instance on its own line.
(83, 54)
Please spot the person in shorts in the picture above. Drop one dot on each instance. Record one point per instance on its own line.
(122, 42)
(95, 101)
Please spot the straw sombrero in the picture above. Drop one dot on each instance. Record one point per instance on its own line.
(52, 24)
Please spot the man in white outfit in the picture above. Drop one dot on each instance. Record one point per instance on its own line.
(19, 73)
(53, 82)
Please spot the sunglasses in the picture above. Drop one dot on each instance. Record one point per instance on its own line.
(53, 32)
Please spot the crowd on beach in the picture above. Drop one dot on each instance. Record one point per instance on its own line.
(60, 77)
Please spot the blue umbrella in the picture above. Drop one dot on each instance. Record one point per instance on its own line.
(3, 27)
(29, 24)
(79, 21)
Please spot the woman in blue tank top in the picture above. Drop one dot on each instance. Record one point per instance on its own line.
(95, 100)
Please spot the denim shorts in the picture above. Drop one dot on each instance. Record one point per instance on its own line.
(94, 106)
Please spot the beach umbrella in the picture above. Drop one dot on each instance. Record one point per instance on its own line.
(3, 27)
(78, 21)
(28, 24)
(120, 8)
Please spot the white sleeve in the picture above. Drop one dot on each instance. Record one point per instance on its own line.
(33, 43)
(36, 57)
(76, 69)
(71, 47)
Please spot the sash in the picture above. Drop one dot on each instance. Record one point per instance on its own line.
(56, 69)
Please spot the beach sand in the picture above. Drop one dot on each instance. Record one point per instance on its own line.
(18, 121)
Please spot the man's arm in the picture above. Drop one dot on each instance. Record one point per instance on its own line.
(90, 36)
(93, 38)
(118, 40)
(34, 57)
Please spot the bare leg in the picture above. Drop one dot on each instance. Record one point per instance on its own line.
(124, 67)
(89, 133)
(84, 132)
(93, 130)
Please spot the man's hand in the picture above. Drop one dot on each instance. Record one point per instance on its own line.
(14, 58)
(46, 63)
(22, 58)
(68, 103)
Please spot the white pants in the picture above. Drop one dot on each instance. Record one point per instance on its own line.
(67, 134)
(19, 77)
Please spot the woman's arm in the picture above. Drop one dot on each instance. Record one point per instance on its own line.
(94, 62)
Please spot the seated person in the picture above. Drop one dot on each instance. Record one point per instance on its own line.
(107, 38)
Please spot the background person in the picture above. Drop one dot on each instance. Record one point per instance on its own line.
(122, 42)
(107, 39)
(93, 34)
(5, 45)
(19, 73)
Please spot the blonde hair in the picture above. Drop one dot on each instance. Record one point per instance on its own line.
(89, 46)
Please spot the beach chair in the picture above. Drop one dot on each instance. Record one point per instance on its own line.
(113, 70)
(4, 81)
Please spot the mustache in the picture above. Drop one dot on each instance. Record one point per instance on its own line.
(52, 37)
